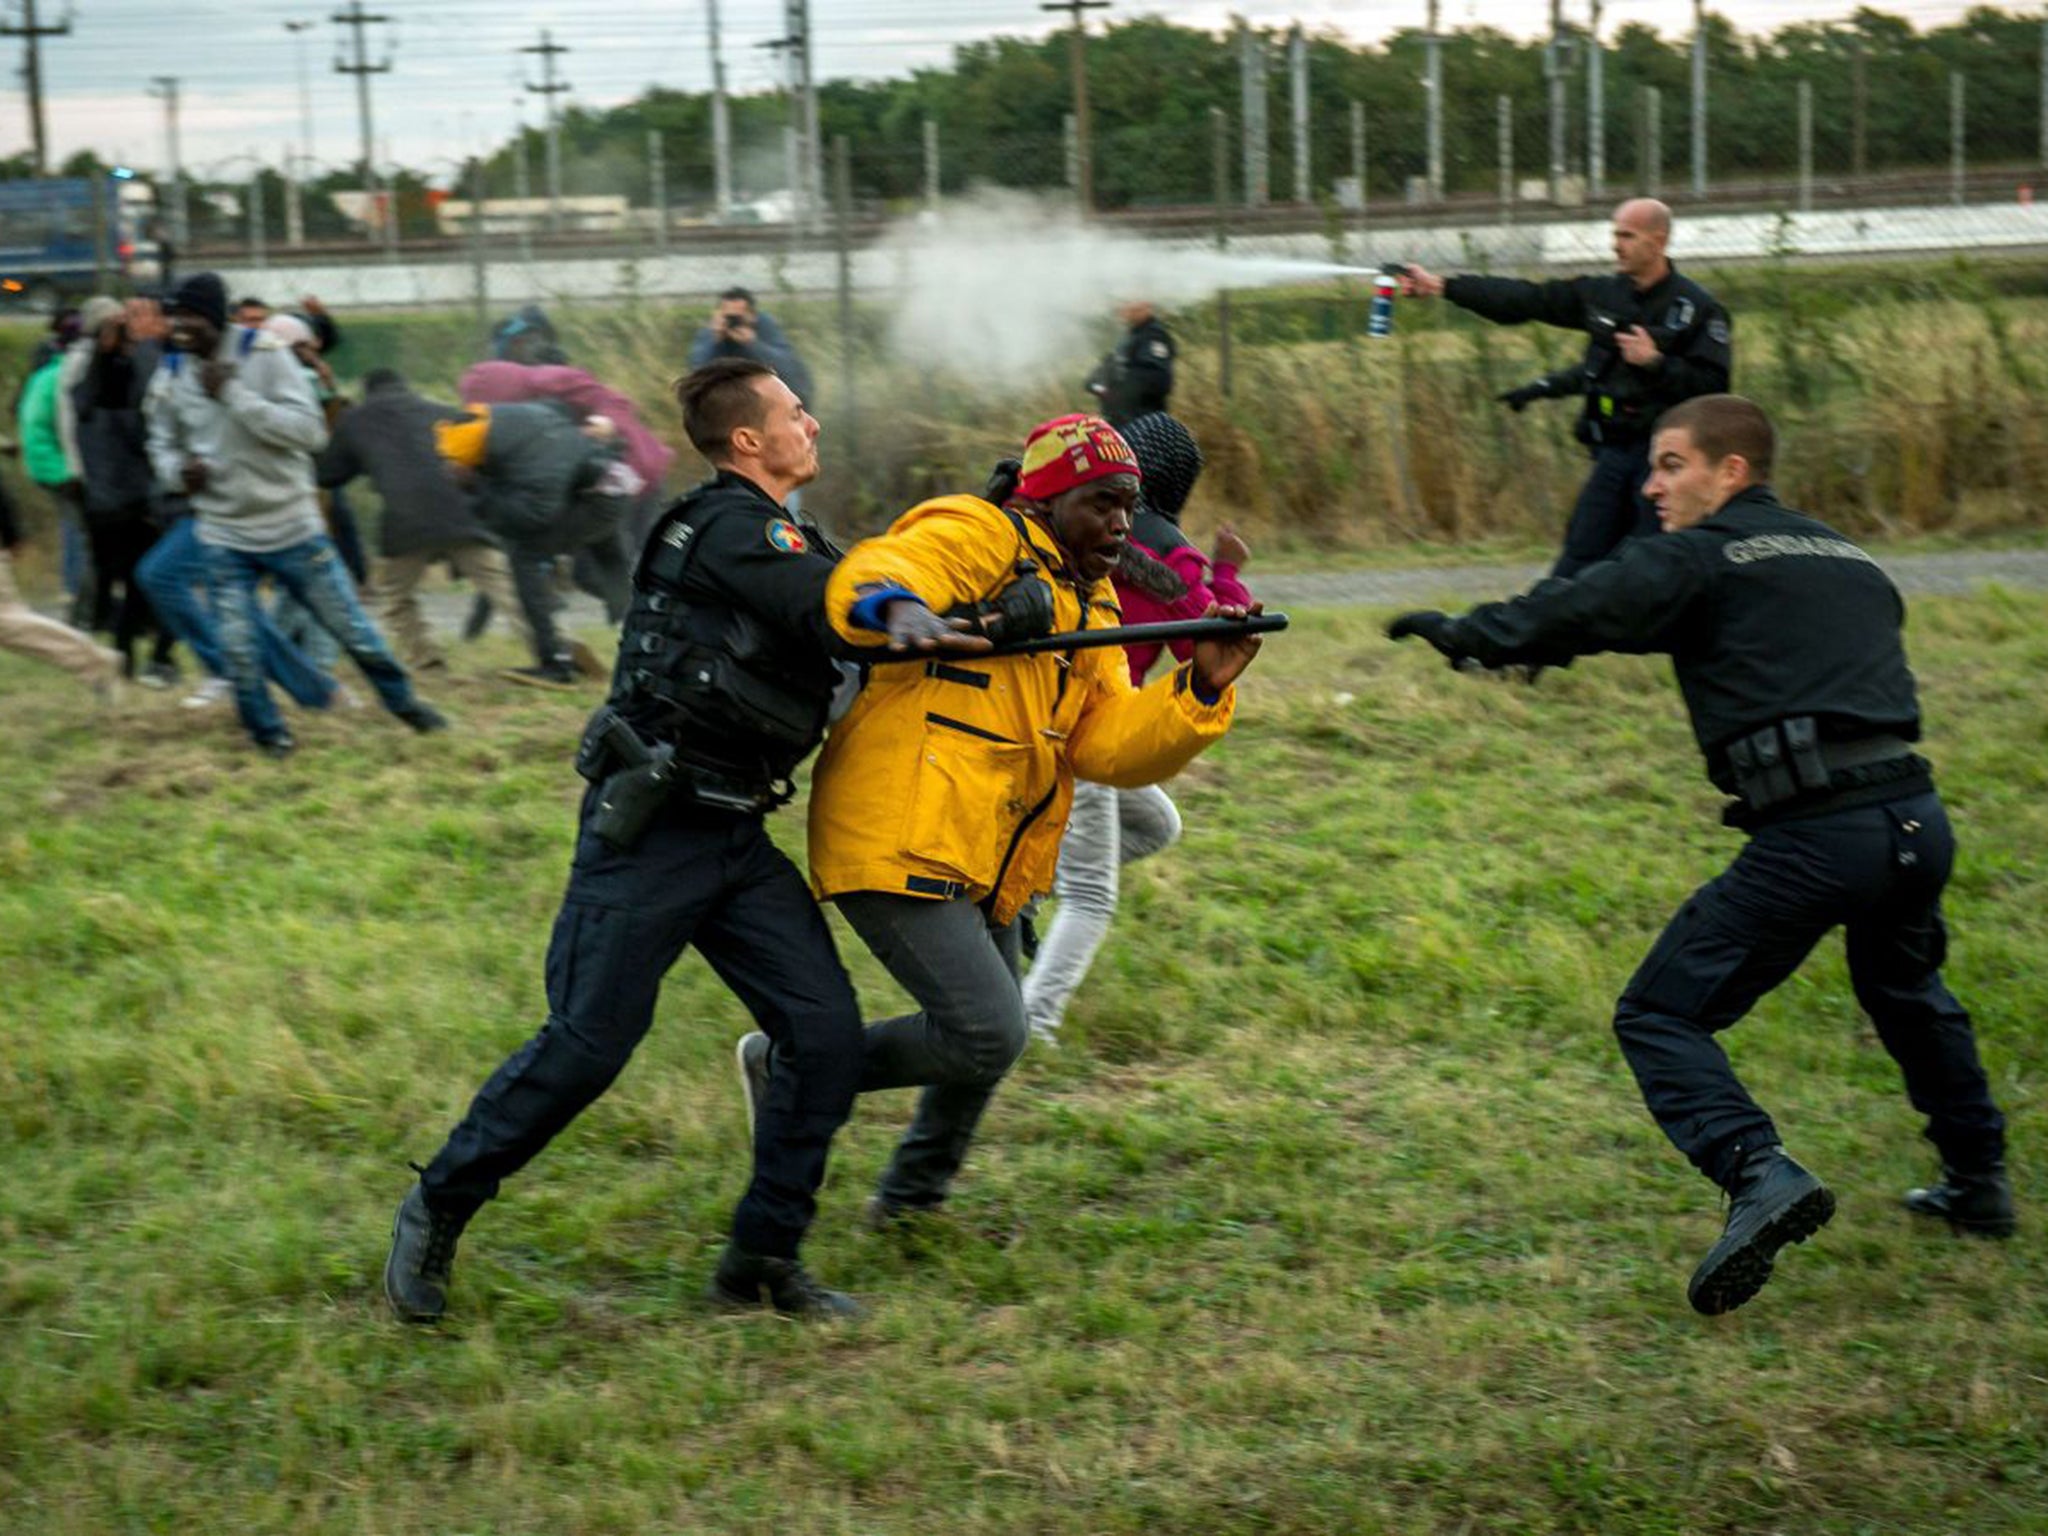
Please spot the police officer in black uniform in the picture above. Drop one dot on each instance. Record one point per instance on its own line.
(1785, 638)
(1653, 338)
(1136, 375)
(724, 676)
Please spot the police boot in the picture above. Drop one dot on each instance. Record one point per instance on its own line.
(1978, 1202)
(745, 1279)
(1773, 1201)
(416, 1274)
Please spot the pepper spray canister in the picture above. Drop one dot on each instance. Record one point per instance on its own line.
(1380, 321)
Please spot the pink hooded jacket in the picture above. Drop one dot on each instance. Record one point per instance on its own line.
(506, 383)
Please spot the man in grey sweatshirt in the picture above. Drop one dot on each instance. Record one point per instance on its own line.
(234, 426)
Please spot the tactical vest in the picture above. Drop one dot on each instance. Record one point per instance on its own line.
(710, 679)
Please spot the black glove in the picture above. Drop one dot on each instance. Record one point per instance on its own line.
(1433, 626)
(1518, 399)
(1002, 481)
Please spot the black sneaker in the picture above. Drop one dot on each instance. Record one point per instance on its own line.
(416, 1274)
(282, 745)
(423, 717)
(546, 674)
(1978, 1203)
(1773, 1202)
(753, 1054)
(748, 1279)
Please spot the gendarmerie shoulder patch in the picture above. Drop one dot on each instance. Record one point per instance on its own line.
(787, 537)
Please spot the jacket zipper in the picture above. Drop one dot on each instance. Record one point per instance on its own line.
(971, 730)
(1003, 870)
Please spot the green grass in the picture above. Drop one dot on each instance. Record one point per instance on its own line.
(1336, 1212)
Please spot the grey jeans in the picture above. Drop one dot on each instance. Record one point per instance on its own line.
(968, 1029)
(1106, 829)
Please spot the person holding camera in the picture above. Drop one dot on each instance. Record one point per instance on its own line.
(1654, 337)
(1785, 638)
(738, 327)
(726, 671)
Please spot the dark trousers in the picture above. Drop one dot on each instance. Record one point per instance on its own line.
(119, 541)
(699, 877)
(1876, 870)
(1610, 508)
(968, 1030)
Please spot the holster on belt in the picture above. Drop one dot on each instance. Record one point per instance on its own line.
(1787, 760)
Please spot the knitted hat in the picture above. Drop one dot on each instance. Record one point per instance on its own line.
(1073, 450)
(96, 312)
(1171, 461)
(202, 294)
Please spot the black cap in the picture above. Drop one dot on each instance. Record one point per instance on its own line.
(202, 294)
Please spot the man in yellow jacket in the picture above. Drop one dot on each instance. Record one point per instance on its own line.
(938, 805)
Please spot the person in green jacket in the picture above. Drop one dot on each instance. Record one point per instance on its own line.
(46, 463)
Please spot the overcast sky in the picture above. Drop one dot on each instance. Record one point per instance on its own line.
(455, 81)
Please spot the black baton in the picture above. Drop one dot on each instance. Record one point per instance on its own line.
(1085, 639)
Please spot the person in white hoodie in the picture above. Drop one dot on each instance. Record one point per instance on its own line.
(233, 425)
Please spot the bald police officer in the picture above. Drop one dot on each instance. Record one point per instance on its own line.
(1653, 338)
(1785, 638)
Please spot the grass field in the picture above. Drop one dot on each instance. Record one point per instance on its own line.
(1337, 1212)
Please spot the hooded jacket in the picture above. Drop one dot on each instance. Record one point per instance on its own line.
(951, 776)
(257, 441)
(390, 438)
(507, 383)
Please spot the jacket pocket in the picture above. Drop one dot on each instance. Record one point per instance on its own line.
(965, 799)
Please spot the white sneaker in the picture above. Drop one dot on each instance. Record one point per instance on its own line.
(210, 692)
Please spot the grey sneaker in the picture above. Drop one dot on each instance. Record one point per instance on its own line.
(417, 1273)
(1774, 1202)
(753, 1054)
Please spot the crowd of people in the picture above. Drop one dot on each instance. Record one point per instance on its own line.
(980, 751)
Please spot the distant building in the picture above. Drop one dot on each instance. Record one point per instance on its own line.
(605, 215)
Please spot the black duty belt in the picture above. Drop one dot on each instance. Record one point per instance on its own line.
(1787, 760)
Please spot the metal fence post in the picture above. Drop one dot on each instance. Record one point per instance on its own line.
(1219, 136)
(1505, 106)
(1806, 146)
(1957, 159)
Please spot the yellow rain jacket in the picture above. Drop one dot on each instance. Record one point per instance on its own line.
(951, 775)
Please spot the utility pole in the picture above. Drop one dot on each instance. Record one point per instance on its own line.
(1297, 79)
(721, 127)
(2044, 92)
(1251, 64)
(1077, 56)
(1553, 67)
(1699, 98)
(522, 187)
(1596, 110)
(32, 35)
(548, 89)
(1433, 102)
(355, 19)
(296, 166)
(166, 86)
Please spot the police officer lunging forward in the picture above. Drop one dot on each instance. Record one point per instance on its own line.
(725, 673)
(1653, 338)
(1785, 639)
